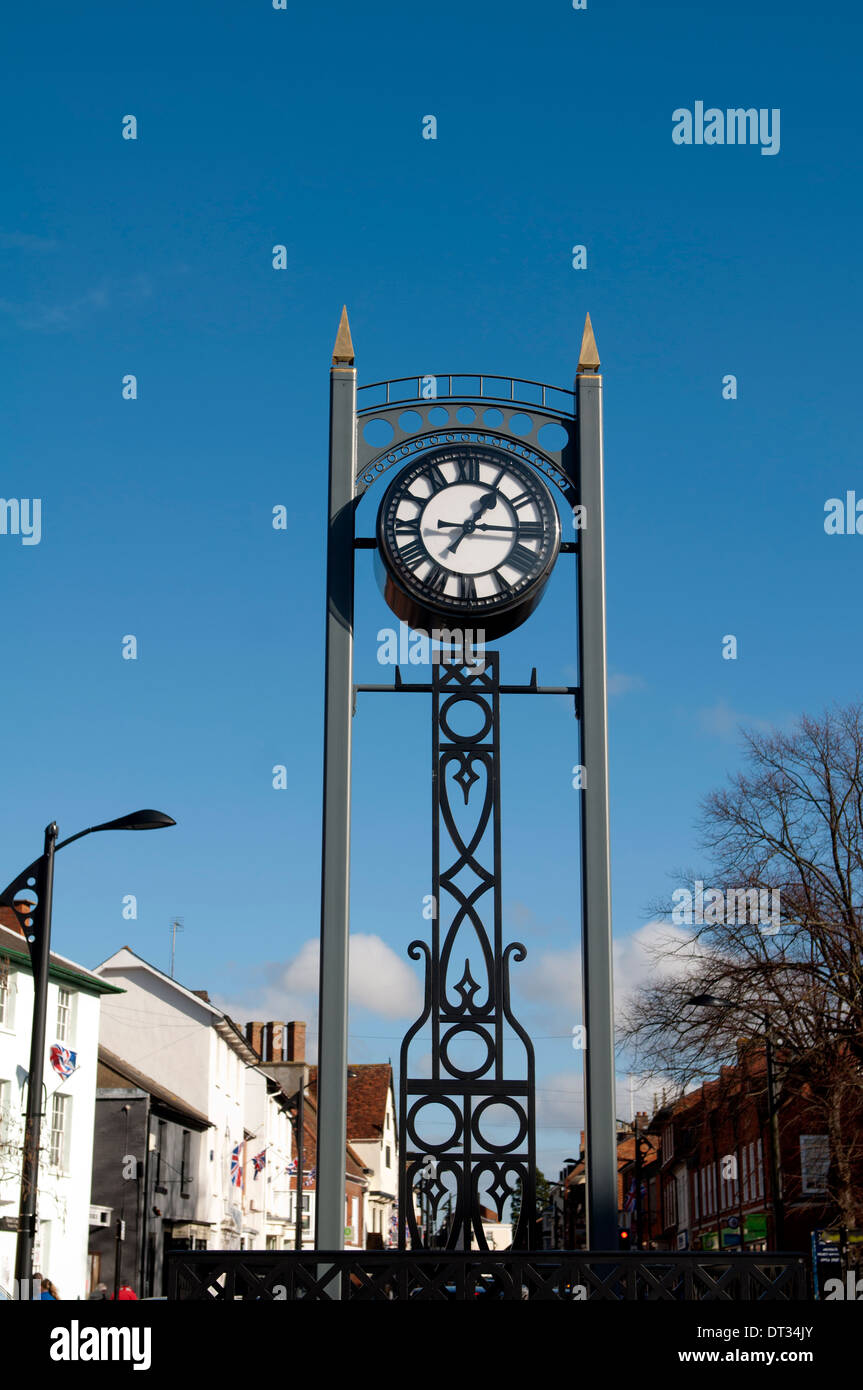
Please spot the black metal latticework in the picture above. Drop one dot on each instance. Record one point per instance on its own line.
(482, 1063)
(579, 1276)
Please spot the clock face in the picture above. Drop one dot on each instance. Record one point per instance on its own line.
(467, 532)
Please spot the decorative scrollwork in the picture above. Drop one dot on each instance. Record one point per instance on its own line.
(482, 1063)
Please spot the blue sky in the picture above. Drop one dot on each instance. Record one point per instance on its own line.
(154, 257)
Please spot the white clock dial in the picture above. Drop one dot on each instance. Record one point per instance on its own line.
(468, 530)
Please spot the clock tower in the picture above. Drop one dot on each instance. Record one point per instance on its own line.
(481, 478)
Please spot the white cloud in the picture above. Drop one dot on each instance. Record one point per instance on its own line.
(726, 723)
(379, 980)
(637, 963)
(552, 980)
(621, 684)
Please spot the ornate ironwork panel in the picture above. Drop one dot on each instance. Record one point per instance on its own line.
(480, 1082)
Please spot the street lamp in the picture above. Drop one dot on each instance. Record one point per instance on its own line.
(30, 897)
(711, 1001)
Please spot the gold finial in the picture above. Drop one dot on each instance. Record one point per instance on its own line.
(588, 357)
(343, 352)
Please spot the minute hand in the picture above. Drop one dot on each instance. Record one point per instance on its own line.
(526, 528)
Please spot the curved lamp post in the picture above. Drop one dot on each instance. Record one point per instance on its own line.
(30, 897)
(712, 1002)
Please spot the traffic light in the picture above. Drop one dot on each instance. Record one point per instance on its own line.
(625, 1240)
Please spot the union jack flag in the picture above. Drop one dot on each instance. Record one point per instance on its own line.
(259, 1161)
(309, 1177)
(63, 1061)
(236, 1166)
(292, 1166)
(629, 1204)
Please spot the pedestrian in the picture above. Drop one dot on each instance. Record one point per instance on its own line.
(100, 1291)
(126, 1291)
(48, 1289)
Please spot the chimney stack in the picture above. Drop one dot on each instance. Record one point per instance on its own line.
(254, 1037)
(295, 1049)
(273, 1045)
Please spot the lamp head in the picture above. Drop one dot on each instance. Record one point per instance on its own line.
(139, 820)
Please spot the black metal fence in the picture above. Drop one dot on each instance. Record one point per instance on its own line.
(467, 1275)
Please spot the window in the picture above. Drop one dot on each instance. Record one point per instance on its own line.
(272, 1242)
(759, 1172)
(5, 1103)
(710, 1194)
(185, 1163)
(667, 1143)
(670, 1203)
(389, 1157)
(729, 1182)
(64, 1015)
(7, 993)
(158, 1183)
(814, 1162)
(58, 1134)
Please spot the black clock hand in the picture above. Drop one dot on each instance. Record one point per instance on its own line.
(487, 501)
(480, 526)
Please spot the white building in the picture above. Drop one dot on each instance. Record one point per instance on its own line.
(181, 1040)
(269, 1209)
(371, 1165)
(371, 1126)
(66, 1144)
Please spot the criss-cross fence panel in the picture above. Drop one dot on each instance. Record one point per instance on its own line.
(457, 1275)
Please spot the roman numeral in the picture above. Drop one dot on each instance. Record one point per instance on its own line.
(531, 530)
(520, 501)
(413, 553)
(436, 479)
(407, 526)
(468, 468)
(521, 559)
(467, 588)
(436, 578)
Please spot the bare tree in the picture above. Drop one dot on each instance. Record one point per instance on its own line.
(790, 823)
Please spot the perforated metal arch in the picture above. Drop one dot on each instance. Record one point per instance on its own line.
(425, 412)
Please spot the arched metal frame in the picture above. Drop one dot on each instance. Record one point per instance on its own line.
(556, 464)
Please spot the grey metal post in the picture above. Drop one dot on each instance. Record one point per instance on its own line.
(335, 869)
(600, 1107)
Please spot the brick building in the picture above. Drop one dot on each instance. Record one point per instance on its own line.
(717, 1191)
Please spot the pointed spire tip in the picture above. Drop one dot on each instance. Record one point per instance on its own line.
(588, 357)
(343, 351)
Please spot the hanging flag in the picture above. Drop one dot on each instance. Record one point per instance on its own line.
(292, 1166)
(63, 1061)
(236, 1166)
(630, 1197)
(259, 1162)
(309, 1177)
